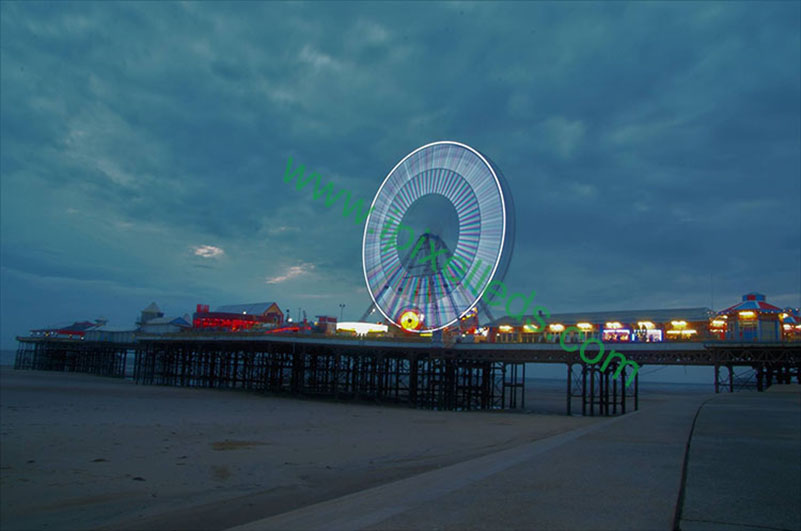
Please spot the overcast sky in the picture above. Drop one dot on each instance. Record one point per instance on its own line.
(652, 148)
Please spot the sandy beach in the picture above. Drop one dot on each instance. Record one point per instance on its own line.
(81, 452)
(86, 452)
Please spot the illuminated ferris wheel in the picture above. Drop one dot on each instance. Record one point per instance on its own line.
(441, 228)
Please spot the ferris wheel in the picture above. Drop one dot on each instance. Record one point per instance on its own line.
(440, 229)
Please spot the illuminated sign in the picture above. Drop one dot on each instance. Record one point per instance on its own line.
(361, 328)
(616, 334)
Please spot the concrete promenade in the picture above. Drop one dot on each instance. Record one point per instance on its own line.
(744, 468)
(624, 473)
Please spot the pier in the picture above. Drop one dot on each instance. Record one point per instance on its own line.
(412, 373)
(73, 355)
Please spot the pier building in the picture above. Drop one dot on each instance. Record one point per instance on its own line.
(238, 317)
(248, 347)
(753, 319)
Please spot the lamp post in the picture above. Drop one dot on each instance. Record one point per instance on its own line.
(341, 310)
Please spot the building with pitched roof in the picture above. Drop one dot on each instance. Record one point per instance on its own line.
(152, 311)
(238, 317)
(166, 325)
(752, 319)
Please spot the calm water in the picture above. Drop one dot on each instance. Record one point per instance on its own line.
(7, 357)
(548, 395)
(557, 385)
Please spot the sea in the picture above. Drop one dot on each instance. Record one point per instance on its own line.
(7, 357)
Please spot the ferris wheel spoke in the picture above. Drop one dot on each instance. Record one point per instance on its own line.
(439, 215)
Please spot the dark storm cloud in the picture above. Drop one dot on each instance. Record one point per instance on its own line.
(648, 146)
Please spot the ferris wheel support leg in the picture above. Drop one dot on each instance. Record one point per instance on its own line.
(367, 312)
(485, 308)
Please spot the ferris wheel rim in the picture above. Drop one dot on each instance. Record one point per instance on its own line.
(497, 259)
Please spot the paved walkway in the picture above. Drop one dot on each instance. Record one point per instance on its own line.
(625, 473)
(744, 469)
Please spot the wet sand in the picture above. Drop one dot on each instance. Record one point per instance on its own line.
(84, 452)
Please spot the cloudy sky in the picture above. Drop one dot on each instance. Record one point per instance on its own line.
(652, 148)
